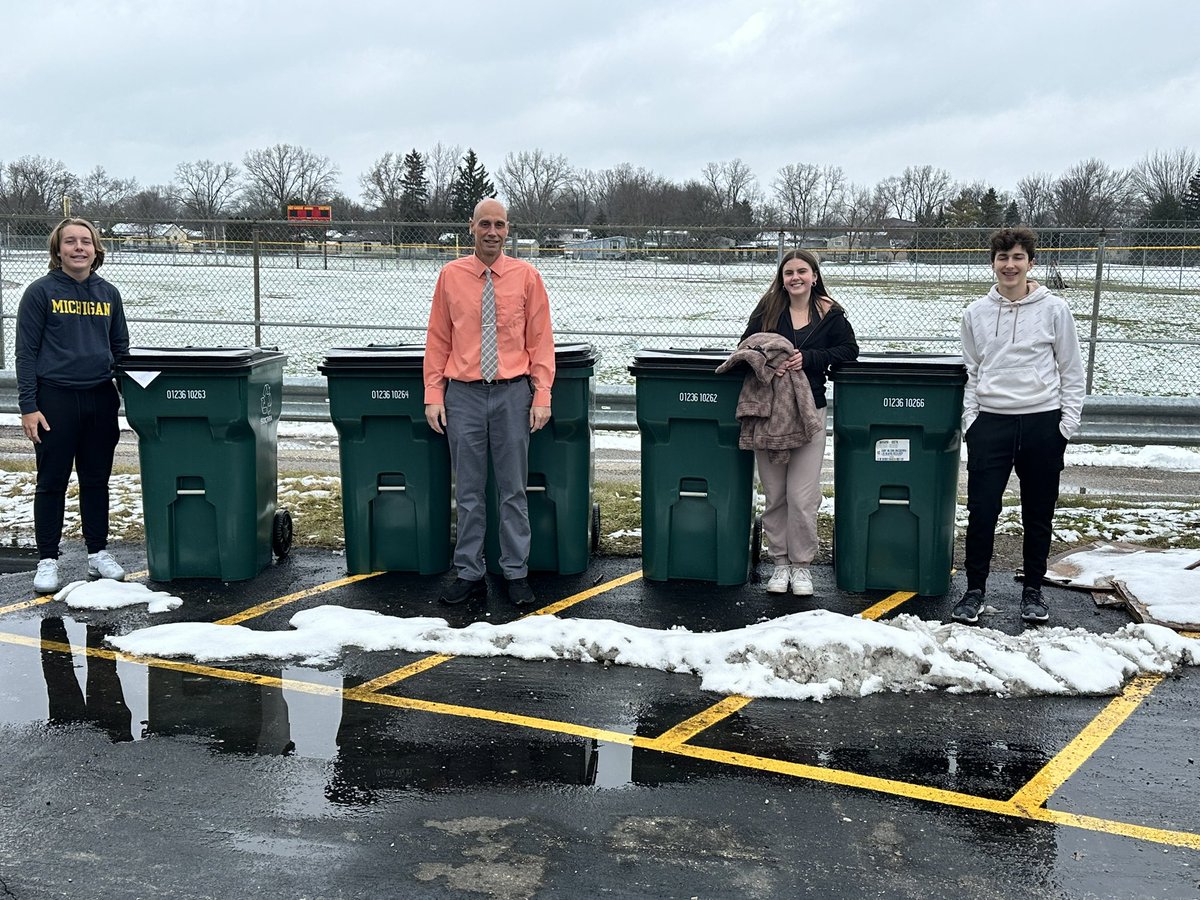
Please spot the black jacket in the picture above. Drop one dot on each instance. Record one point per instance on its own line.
(69, 334)
(831, 340)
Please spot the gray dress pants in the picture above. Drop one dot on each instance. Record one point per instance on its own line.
(485, 420)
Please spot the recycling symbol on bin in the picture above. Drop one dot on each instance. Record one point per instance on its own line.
(266, 400)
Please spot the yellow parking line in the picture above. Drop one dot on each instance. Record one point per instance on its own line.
(263, 608)
(568, 602)
(837, 777)
(1064, 764)
(26, 604)
(390, 678)
(1110, 826)
(886, 605)
(689, 728)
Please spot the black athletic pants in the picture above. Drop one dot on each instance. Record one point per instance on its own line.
(996, 444)
(83, 433)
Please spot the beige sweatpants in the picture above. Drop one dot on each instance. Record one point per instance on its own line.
(793, 491)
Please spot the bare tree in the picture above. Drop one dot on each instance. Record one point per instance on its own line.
(629, 196)
(579, 197)
(206, 188)
(808, 194)
(1035, 199)
(283, 174)
(383, 184)
(1092, 193)
(441, 165)
(36, 185)
(533, 183)
(1164, 174)
(733, 185)
(919, 194)
(99, 196)
(154, 204)
(864, 208)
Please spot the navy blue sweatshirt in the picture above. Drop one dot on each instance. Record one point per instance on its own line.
(69, 333)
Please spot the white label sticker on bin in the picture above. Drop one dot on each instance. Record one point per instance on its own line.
(143, 378)
(892, 450)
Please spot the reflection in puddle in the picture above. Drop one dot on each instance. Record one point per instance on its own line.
(371, 749)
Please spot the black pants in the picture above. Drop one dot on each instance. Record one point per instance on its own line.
(83, 433)
(996, 444)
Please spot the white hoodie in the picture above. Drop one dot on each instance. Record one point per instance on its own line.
(1022, 356)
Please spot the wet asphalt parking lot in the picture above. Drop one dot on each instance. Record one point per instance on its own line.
(405, 775)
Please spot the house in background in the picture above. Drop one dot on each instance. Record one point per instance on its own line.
(152, 237)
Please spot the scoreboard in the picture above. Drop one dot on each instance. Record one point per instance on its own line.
(310, 215)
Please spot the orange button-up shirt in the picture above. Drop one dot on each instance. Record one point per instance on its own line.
(524, 338)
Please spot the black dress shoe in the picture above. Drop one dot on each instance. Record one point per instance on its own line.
(520, 593)
(463, 590)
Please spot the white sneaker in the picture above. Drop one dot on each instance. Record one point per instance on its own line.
(46, 580)
(780, 579)
(102, 565)
(801, 582)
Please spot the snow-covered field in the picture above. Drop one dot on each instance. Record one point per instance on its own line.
(1145, 321)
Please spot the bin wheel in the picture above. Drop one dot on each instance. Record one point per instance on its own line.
(595, 528)
(756, 536)
(281, 533)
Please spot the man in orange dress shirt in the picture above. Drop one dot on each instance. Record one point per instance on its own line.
(493, 417)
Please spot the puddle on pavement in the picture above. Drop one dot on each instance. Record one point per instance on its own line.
(299, 713)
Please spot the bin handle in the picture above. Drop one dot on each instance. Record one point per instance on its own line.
(392, 487)
(530, 488)
(893, 503)
(693, 493)
(190, 492)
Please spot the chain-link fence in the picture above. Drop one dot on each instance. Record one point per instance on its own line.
(236, 283)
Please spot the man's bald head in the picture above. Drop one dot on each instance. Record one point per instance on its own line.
(489, 225)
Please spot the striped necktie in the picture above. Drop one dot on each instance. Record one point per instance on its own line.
(489, 357)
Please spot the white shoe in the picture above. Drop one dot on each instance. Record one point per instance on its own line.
(780, 579)
(46, 580)
(102, 565)
(801, 582)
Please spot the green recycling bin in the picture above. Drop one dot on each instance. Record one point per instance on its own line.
(697, 484)
(563, 519)
(395, 468)
(207, 421)
(897, 430)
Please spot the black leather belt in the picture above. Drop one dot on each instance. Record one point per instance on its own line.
(493, 381)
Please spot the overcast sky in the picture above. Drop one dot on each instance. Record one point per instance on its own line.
(986, 90)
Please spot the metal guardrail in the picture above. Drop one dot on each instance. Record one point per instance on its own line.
(1134, 421)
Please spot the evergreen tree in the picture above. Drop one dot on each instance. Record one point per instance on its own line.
(414, 198)
(990, 215)
(1191, 199)
(599, 225)
(1012, 215)
(471, 184)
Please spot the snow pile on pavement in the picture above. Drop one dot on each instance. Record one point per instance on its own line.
(811, 655)
(108, 594)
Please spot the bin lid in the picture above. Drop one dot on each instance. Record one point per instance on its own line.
(155, 359)
(703, 359)
(373, 356)
(575, 356)
(903, 364)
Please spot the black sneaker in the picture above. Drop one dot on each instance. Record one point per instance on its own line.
(463, 590)
(520, 593)
(1033, 606)
(967, 609)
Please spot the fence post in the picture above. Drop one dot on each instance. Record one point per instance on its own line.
(1091, 364)
(257, 291)
(779, 252)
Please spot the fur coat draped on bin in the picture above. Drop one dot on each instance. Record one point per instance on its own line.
(778, 414)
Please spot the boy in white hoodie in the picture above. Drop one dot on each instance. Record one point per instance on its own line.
(1022, 403)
